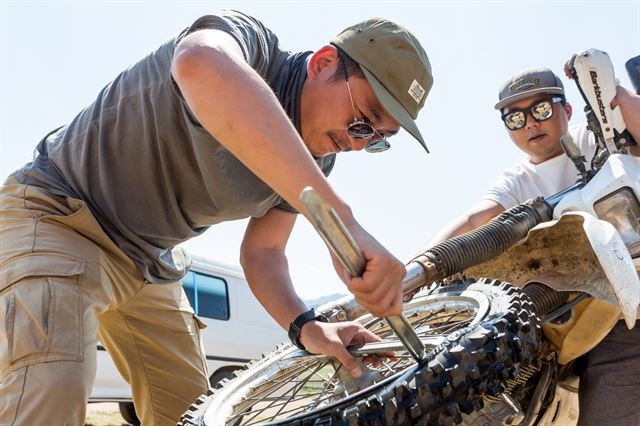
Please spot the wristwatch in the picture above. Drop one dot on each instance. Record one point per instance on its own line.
(296, 326)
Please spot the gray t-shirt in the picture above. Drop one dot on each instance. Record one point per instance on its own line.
(149, 172)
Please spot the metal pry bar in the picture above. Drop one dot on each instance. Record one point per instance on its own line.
(335, 234)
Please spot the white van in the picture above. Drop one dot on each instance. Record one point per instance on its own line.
(239, 330)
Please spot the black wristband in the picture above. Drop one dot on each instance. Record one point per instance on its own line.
(296, 326)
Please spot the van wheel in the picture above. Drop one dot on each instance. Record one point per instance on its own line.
(128, 412)
(217, 378)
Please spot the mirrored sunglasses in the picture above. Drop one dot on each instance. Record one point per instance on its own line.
(540, 110)
(362, 130)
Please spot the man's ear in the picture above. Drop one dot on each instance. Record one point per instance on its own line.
(323, 60)
(569, 109)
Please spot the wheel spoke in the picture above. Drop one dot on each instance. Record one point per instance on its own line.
(296, 389)
(266, 396)
(330, 382)
(283, 404)
(265, 393)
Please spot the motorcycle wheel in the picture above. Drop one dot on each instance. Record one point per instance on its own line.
(479, 331)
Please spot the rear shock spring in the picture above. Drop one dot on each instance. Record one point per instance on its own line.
(544, 298)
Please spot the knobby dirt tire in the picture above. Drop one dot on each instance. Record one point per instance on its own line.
(471, 362)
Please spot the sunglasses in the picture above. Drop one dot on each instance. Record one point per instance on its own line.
(540, 110)
(360, 129)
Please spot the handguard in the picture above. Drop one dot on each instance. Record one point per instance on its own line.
(593, 73)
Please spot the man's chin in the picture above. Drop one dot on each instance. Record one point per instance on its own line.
(322, 147)
(546, 155)
(313, 151)
(319, 154)
(543, 144)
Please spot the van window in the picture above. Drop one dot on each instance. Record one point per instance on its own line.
(207, 294)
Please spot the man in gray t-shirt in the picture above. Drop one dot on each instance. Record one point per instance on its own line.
(219, 123)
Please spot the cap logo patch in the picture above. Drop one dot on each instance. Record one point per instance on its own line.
(416, 91)
(524, 84)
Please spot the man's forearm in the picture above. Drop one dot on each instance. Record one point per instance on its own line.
(268, 275)
(459, 226)
(629, 104)
(477, 216)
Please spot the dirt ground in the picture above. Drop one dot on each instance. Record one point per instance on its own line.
(104, 414)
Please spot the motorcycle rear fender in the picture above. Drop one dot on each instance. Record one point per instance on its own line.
(577, 252)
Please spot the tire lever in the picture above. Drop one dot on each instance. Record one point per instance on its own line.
(333, 231)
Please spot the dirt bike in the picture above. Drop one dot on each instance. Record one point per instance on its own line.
(482, 356)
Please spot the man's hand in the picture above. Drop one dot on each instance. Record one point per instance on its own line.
(379, 289)
(629, 104)
(332, 338)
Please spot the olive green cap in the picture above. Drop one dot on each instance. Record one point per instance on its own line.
(395, 65)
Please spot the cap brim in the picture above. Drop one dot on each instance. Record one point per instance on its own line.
(394, 108)
(510, 99)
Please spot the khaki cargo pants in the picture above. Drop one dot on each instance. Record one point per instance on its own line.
(63, 282)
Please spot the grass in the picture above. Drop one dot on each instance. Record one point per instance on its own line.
(104, 414)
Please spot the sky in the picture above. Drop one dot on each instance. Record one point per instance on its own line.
(55, 56)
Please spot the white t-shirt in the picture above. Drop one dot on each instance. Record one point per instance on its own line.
(525, 180)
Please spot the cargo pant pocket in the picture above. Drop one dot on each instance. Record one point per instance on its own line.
(41, 311)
